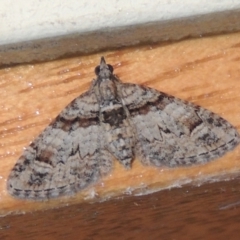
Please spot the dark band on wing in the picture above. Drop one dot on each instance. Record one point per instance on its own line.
(160, 103)
(192, 121)
(45, 156)
(69, 124)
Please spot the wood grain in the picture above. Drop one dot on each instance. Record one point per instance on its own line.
(204, 71)
(208, 212)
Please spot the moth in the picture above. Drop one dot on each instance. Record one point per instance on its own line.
(116, 120)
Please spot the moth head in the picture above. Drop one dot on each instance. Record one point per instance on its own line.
(104, 69)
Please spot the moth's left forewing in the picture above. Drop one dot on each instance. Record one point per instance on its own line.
(66, 157)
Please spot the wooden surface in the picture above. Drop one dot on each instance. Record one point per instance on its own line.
(211, 211)
(204, 71)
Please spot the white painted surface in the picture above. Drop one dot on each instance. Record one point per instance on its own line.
(25, 20)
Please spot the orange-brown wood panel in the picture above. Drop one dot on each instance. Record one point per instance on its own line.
(211, 211)
(204, 71)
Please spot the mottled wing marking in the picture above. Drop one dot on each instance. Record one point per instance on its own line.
(66, 157)
(173, 132)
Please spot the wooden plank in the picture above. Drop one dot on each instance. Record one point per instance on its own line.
(208, 212)
(204, 71)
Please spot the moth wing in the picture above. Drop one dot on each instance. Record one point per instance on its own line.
(66, 157)
(173, 132)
